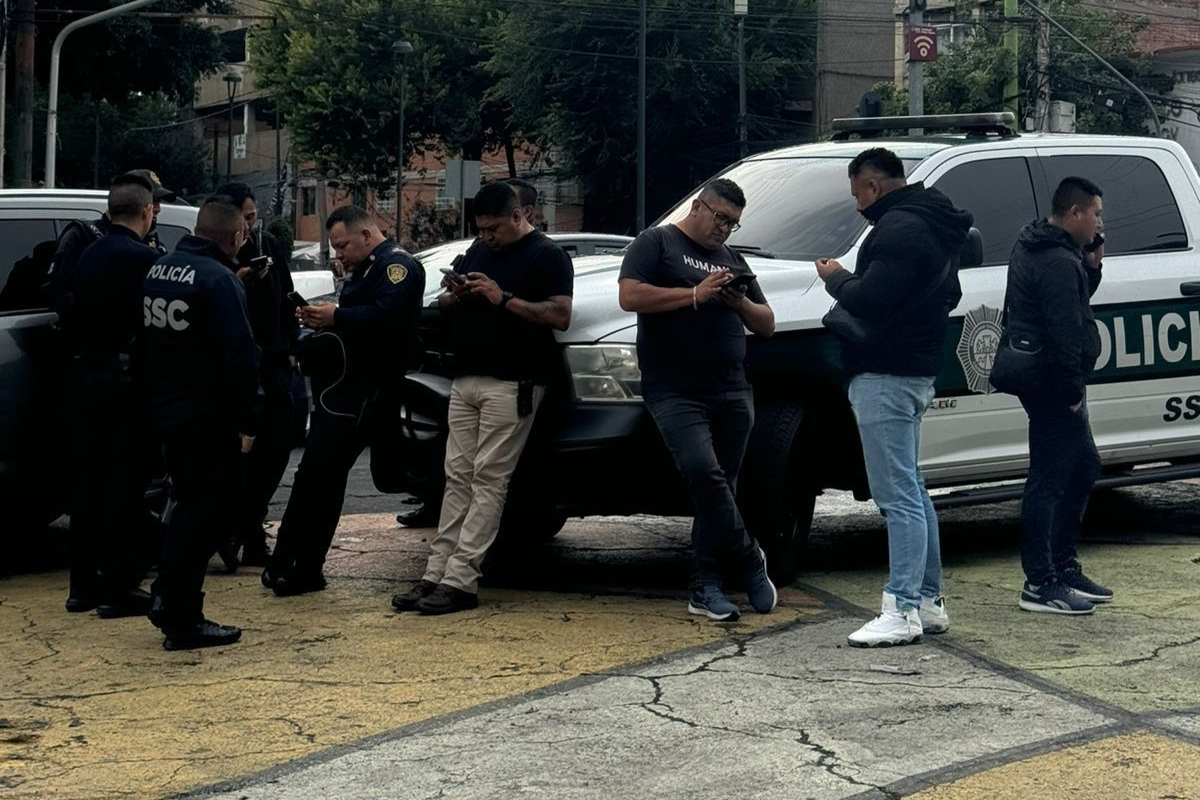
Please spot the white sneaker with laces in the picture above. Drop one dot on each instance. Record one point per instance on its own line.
(891, 627)
(932, 612)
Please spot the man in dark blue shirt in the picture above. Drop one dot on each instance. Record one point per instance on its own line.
(366, 341)
(201, 367)
(105, 410)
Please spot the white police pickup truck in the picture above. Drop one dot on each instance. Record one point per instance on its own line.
(600, 454)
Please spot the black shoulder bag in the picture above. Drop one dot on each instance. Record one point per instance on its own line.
(857, 331)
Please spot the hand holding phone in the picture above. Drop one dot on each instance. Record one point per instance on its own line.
(452, 275)
(740, 281)
(298, 299)
(260, 266)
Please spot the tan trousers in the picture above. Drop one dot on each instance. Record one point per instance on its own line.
(485, 442)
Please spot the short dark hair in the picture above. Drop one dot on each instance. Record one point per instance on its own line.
(878, 159)
(218, 218)
(236, 191)
(495, 200)
(350, 216)
(1073, 191)
(726, 190)
(128, 195)
(527, 193)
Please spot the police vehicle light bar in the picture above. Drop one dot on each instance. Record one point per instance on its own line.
(1002, 124)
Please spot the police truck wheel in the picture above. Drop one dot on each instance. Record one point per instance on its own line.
(774, 496)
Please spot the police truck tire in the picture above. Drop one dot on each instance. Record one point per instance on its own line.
(775, 499)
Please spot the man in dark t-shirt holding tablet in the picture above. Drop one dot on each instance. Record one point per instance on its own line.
(695, 298)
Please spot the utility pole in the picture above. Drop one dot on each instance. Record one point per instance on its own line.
(3, 99)
(641, 120)
(1043, 74)
(740, 9)
(278, 167)
(1012, 87)
(916, 69)
(22, 166)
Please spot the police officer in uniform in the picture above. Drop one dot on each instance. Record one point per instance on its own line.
(161, 195)
(201, 364)
(366, 340)
(105, 410)
(263, 268)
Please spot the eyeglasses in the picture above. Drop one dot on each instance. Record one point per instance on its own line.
(722, 220)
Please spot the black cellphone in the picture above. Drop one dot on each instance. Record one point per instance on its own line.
(1094, 244)
(298, 299)
(741, 279)
(260, 265)
(457, 277)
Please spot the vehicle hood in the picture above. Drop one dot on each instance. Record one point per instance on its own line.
(596, 314)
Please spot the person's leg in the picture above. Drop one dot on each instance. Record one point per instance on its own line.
(86, 470)
(1051, 458)
(1083, 470)
(502, 437)
(889, 409)
(318, 493)
(122, 561)
(463, 424)
(931, 580)
(268, 459)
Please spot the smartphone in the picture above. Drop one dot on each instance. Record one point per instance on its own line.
(260, 265)
(1095, 244)
(298, 299)
(742, 279)
(452, 275)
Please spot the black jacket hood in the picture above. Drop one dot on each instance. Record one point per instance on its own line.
(930, 205)
(1041, 235)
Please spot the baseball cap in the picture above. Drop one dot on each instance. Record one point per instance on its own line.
(161, 193)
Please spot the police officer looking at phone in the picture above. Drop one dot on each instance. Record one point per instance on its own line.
(263, 269)
(364, 342)
(105, 409)
(201, 367)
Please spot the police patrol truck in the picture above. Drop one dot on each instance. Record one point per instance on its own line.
(600, 454)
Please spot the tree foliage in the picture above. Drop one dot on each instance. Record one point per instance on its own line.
(972, 77)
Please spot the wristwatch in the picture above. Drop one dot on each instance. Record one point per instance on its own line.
(504, 298)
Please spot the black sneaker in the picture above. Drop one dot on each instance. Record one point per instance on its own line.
(408, 601)
(446, 600)
(228, 552)
(420, 517)
(291, 584)
(1053, 598)
(134, 603)
(1085, 587)
(202, 634)
(81, 603)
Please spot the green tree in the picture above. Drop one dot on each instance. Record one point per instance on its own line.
(972, 77)
(331, 69)
(569, 73)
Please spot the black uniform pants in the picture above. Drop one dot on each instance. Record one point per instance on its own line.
(264, 465)
(202, 459)
(334, 443)
(108, 551)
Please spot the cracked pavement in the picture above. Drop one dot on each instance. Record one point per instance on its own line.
(581, 676)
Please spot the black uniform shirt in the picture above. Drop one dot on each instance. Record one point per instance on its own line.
(493, 341)
(377, 314)
(691, 351)
(200, 359)
(272, 316)
(108, 292)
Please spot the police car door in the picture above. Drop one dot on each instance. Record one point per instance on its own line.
(1144, 397)
(969, 431)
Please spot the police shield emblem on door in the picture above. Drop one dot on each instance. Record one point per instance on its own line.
(977, 347)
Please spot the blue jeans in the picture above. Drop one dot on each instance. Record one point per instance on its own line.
(889, 410)
(707, 437)
(1063, 465)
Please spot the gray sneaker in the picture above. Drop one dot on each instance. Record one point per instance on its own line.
(1053, 598)
(709, 601)
(759, 588)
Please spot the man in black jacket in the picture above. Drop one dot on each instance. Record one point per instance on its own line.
(104, 406)
(905, 283)
(1050, 283)
(263, 268)
(201, 366)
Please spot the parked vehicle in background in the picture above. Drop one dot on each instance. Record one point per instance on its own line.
(312, 279)
(576, 244)
(602, 455)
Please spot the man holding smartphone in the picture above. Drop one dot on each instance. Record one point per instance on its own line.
(263, 269)
(695, 299)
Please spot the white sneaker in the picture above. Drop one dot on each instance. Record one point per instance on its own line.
(892, 626)
(932, 612)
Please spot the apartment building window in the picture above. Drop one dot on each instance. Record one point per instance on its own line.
(385, 201)
(952, 35)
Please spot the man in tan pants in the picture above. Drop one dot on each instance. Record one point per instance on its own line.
(506, 298)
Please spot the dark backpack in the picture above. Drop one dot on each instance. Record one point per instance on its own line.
(60, 273)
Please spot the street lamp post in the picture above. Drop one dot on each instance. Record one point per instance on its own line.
(400, 50)
(232, 79)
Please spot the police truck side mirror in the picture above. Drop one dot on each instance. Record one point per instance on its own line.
(971, 254)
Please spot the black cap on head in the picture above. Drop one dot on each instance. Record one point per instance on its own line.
(161, 193)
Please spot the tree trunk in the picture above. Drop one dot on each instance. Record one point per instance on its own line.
(22, 151)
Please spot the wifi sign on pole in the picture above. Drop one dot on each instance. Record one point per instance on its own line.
(922, 43)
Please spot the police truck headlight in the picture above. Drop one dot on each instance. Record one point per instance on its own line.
(605, 373)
